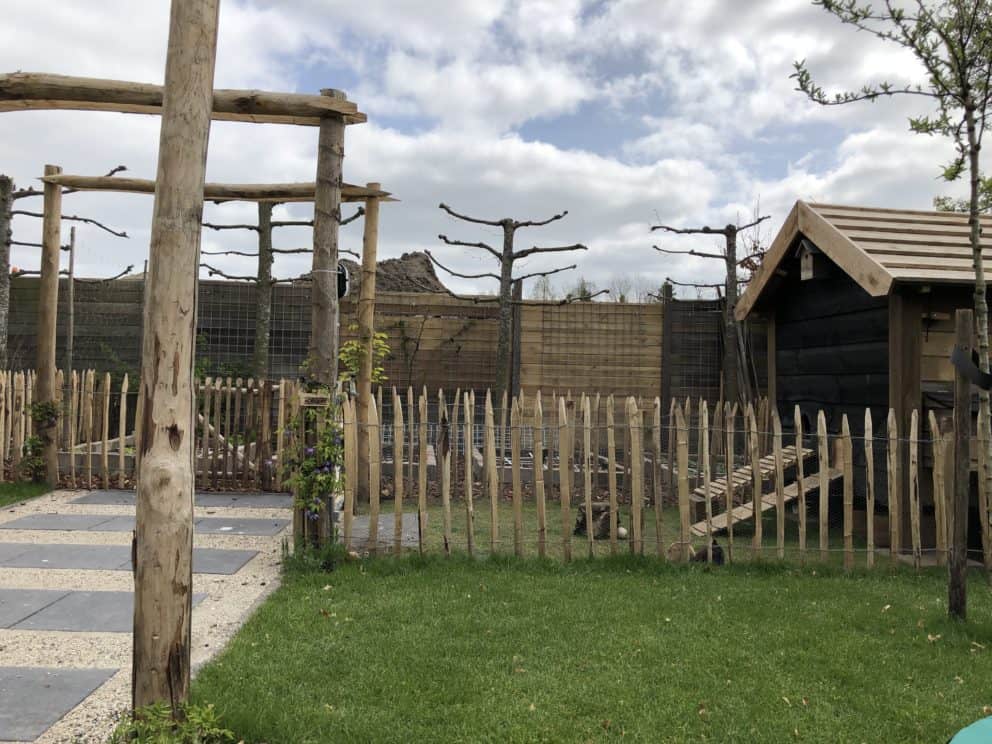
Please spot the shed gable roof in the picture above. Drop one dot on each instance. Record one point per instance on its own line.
(877, 247)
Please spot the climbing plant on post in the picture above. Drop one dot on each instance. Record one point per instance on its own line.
(507, 257)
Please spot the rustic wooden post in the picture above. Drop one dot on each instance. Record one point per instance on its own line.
(704, 427)
(894, 483)
(824, 467)
(682, 447)
(421, 470)
(729, 417)
(518, 516)
(122, 432)
(105, 432)
(469, 451)
(163, 541)
(636, 460)
(756, 483)
(70, 304)
(489, 470)
(48, 298)
(350, 466)
(565, 479)
(800, 479)
(914, 486)
(848, 454)
(442, 454)
(323, 353)
(779, 484)
(611, 476)
(539, 495)
(375, 477)
(657, 494)
(957, 564)
(870, 488)
(398, 440)
(366, 329)
(939, 499)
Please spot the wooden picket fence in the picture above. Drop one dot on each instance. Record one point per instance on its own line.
(239, 429)
(594, 454)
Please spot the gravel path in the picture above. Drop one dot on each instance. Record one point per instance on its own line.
(229, 601)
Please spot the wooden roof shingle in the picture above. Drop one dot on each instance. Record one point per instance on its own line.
(877, 247)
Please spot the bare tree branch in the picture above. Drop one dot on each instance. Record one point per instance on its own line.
(754, 223)
(694, 284)
(229, 253)
(543, 273)
(487, 275)
(26, 245)
(31, 191)
(484, 246)
(691, 252)
(539, 223)
(212, 271)
(705, 230)
(569, 300)
(74, 218)
(292, 223)
(478, 221)
(230, 227)
(355, 216)
(554, 249)
(125, 272)
(425, 288)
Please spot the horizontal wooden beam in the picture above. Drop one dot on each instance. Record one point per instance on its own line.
(24, 91)
(219, 192)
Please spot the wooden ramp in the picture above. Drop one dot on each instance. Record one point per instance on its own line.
(768, 501)
(742, 476)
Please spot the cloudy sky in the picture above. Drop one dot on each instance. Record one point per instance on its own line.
(623, 112)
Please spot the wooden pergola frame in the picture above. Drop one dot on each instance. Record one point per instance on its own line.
(163, 541)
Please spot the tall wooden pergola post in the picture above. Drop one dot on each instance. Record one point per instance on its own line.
(323, 357)
(366, 331)
(48, 300)
(163, 538)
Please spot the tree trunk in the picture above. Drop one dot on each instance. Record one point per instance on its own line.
(505, 314)
(366, 331)
(957, 559)
(48, 302)
(981, 303)
(6, 203)
(163, 539)
(323, 358)
(730, 356)
(263, 293)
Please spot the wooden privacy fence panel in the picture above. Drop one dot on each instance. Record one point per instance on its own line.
(629, 482)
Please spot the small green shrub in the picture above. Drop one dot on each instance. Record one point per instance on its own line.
(32, 465)
(153, 724)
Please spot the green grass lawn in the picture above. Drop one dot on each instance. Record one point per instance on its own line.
(456, 650)
(14, 493)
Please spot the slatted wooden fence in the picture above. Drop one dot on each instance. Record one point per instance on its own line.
(670, 478)
(240, 429)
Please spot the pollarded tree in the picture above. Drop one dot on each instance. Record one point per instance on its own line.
(507, 257)
(952, 39)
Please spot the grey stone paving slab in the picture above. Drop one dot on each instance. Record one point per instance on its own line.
(32, 699)
(115, 557)
(18, 604)
(107, 612)
(104, 523)
(218, 499)
(105, 557)
(56, 522)
(360, 531)
(12, 550)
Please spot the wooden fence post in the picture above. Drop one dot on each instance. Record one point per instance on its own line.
(914, 486)
(375, 481)
(957, 564)
(565, 480)
(350, 469)
(422, 472)
(490, 476)
(797, 419)
(518, 515)
(848, 453)
(657, 494)
(731, 415)
(704, 430)
(779, 484)
(870, 488)
(682, 447)
(399, 437)
(122, 432)
(442, 453)
(469, 462)
(105, 431)
(611, 476)
(48, 298)
(163, 543)
(587, 471)
(824, 467)
(894, 485)
(756, 483)
(539, 494)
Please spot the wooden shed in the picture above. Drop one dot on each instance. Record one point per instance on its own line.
(860, 308)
